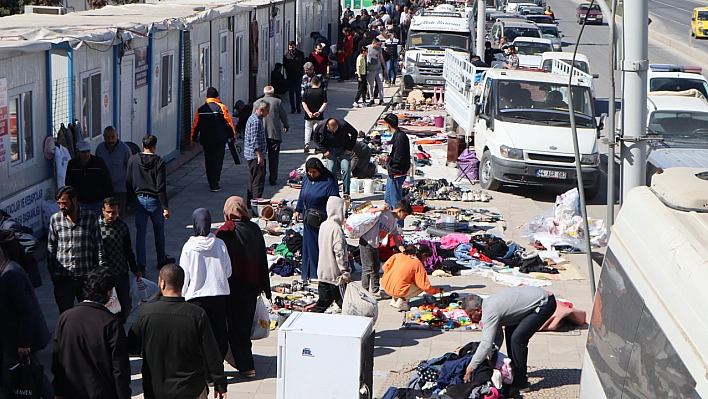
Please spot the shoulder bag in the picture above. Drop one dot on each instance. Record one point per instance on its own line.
(313, 217)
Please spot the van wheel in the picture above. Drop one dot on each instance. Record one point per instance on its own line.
(486, 177)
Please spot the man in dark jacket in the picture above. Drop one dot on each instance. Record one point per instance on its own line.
(90, 357)
(335, 138)
(213, 128)
(399, 161)
(176, 340)
(277, 80)
(360, 161)
(321, 40)
(293, 61)
(24, 330)
(242, 111)
(146, 181)
(89, 175)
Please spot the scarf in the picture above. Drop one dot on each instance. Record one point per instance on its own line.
(201, 220)
(235, 208)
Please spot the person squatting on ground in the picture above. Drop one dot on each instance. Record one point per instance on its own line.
(317, 186)
(255, 149)
(335, 139)
(212, 128)
(175, 340)
(405, 276)
(386, 226)
(333, 267)
(521, 311)
(314, 101)
(249, 278)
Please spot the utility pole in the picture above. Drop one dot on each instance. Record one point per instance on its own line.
(635, 64)
(481, 18)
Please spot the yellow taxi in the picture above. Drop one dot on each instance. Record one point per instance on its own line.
(699, 22)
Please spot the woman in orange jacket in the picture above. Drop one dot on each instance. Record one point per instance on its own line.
(405, 276)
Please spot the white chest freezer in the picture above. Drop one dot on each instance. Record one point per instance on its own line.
(325, 356)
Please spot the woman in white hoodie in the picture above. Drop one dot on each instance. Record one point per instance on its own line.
(207, 268)
(333, 263)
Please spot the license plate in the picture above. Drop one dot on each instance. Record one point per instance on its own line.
(551, 174)
(434, 82)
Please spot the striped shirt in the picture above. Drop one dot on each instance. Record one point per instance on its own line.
(74, 249)
(255, 138)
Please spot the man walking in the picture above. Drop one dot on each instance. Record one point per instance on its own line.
(308, 76)
(276, 122)
(74, 248)
(314, 101)
(118, 251)
(146, 179)
(254, 150)
(24, 330)
(90, 178)
(375, 70)
(521, 311)
(320, 61)
(335, 139)
(90, 358)
(242, 111)
(212, 128)
(115, 154)
(175, 339)
(361, 78)
(293, 61)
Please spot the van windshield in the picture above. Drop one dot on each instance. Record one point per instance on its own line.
(582, 65)
(531, 48)
(680, 125)
(543, 103)
(513, 33)
(678, 84)
(438, 41)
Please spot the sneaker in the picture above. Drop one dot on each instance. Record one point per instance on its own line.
(307, 149)
(371, 103)
(215, 189)
(364, 105)
(356, 105)
(393, 303)
(381, 294)
(402, 305)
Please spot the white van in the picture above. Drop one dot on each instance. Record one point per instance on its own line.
(648, 328)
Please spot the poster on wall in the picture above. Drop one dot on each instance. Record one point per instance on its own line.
(104, 97)
(26, 206)
(271, 27)
(141, 67)
(4, 127)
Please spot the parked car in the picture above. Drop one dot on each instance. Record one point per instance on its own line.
(531, 10)
(551, 32)
(513, 29)
(540, 19)
(530, 50)
(665, 77)
(699, 22)
(593, 15)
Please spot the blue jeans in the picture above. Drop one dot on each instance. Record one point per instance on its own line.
(394, 192)
(149, 207)
(294, 87)
(337, 154)
(391, 70)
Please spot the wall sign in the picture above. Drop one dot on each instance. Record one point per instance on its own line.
(141, 67)
(4, 127)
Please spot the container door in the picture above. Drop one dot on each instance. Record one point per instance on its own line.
(224, 64)
(127, 100)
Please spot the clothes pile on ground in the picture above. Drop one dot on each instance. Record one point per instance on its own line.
(443, 377)
(442, 190)
(561, 227)
(445, 314)
(285, 258)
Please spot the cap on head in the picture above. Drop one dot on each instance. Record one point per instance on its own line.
(212, 92)
(83, 145)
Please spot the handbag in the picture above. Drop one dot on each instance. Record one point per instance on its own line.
(235, 152)
(313, 217)
(26, 380)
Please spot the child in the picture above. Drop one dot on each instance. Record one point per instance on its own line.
(369, 244)
(405, 276)
(333, 268)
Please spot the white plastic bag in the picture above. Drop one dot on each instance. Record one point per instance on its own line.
(359, 302)
(113, 305)
(359, 224)
(142, 290)
(261, 321)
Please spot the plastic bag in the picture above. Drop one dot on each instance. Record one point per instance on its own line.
(113, 304)
(261, 321)
(359, 302)
(142, 290)
(359, 224)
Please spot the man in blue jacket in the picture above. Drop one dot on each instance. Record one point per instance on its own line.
(24, 331)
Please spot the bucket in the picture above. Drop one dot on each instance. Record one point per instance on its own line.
(266, 212)
(368, 186)
(439, 121)
(354, 186)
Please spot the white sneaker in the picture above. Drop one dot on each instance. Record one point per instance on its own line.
(403, 305)
(356, 105)
(393, 303)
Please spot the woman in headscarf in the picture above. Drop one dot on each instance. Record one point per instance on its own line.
(317, 186)
(247, 250)
(333, 271)
(207, 268)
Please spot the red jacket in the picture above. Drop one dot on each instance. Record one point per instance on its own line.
(320, 61)
(347, 43)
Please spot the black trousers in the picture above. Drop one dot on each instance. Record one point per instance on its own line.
(123, 294)
(344, 72)
(273, 160)
(256, 180)
(215, 308)
(66, 288)
(517, 339)
(213, 161)
(361, 89)
(241, 309)
(328, 293)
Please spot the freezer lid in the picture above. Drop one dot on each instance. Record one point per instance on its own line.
(328, 324)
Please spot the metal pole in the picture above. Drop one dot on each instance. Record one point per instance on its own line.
(481, 18)
(635, 30)
(578, 167)
(610, 128)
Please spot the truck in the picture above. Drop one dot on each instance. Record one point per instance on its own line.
(431, 32)
(520, 125)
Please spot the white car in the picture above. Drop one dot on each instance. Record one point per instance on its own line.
(665, 77)
(529, 50)
(550, 31)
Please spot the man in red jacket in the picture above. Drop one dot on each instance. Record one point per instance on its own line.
(320, 60)
(347, 45)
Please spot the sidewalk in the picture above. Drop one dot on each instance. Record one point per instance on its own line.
(395, 348)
